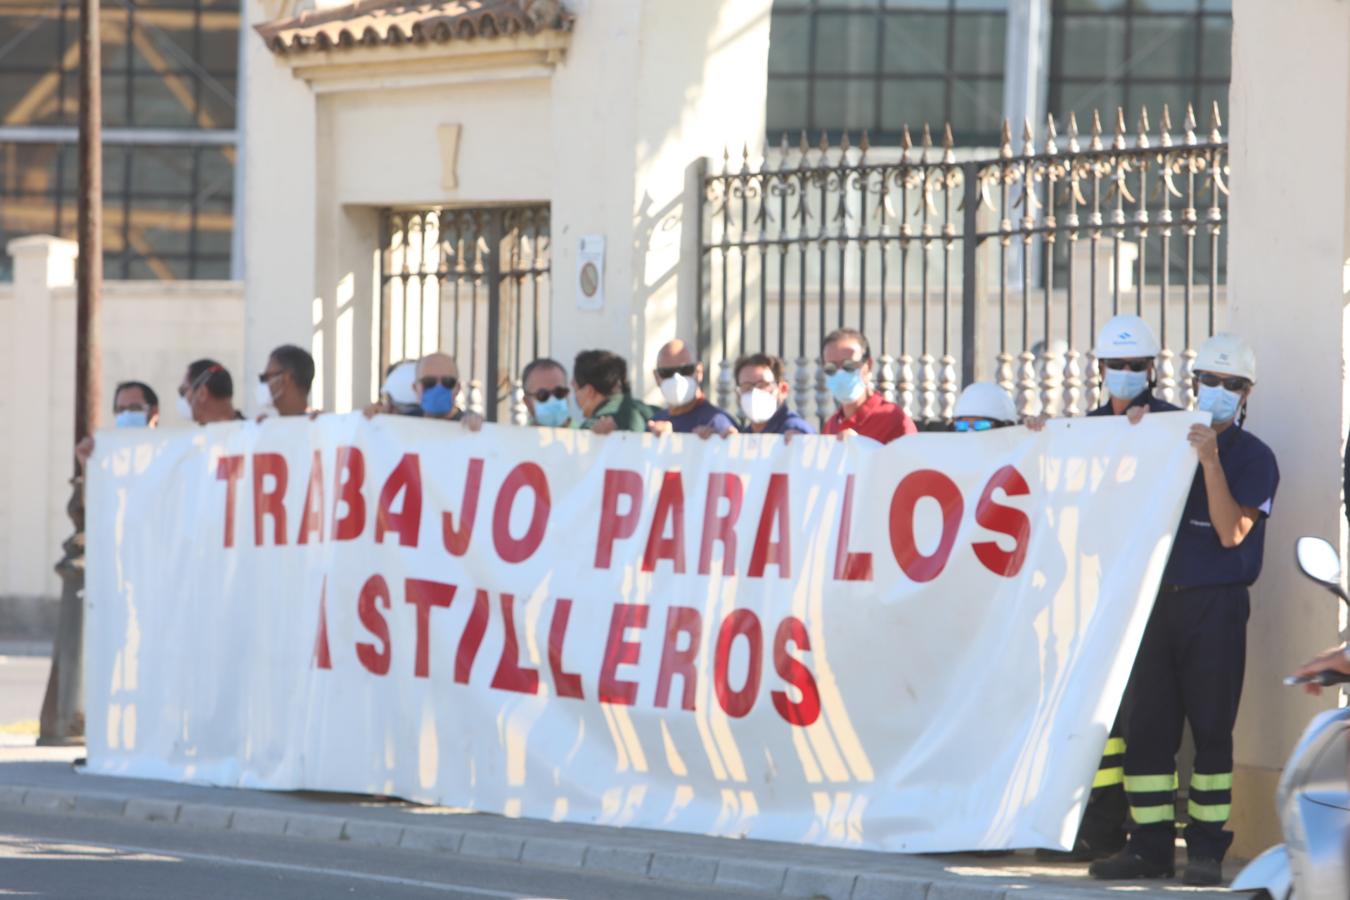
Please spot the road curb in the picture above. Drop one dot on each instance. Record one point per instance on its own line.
(732, 870)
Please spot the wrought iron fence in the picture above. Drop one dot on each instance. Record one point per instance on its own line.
(961, 267)
(473, 283)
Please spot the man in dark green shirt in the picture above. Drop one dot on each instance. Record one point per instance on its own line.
(600, 385)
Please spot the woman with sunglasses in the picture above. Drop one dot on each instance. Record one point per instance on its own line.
(1193, 653)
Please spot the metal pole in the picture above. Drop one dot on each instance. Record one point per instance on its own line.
(973, 362)
(62, 719)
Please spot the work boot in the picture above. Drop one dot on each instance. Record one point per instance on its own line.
(1129, 866)
(1203, 873)
(1083, 851)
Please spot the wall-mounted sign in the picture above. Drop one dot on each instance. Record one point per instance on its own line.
(591, 272)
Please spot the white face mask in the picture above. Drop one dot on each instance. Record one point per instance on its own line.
(759, 406)
(679, 390)
(184, 408)
(262, 395)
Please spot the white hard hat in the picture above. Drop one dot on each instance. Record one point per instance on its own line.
(399, 383)
(985, 400)
(1126, 337)
(1227, 354)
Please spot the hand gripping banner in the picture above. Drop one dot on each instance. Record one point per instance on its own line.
(916, 647)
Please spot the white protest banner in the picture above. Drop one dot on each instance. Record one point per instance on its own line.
(917, 647)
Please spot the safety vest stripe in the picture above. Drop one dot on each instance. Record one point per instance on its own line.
(1146, 784)
(1114, 747)
(1108, 777)
(1220, 782)
(1149, 815)
(1204, 812)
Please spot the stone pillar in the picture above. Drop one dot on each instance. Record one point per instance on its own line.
(1288, 243)
(42, 265)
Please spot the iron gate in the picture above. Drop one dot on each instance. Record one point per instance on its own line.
(473, 283)
(962, 267)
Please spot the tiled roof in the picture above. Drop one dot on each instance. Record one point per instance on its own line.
(373, 23)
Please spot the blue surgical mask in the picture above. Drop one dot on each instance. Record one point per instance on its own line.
(437, 400)
(1124, 384)
(132, 418)
(552, 413)
(1221, 404)
(846, 386)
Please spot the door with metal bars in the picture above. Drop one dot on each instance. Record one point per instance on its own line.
(968, 265)
(473, 283)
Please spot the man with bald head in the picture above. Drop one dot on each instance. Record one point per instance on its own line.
(437, 389)
(687, 411)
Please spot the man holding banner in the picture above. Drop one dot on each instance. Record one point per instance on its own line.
(1192, 657)
(1126, 350)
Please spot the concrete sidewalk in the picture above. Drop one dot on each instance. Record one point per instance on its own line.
(44, 779)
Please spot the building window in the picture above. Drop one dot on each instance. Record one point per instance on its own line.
(1139, 54)
(879, 65)
(170, 141)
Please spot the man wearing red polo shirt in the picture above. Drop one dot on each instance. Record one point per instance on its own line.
(848, 375)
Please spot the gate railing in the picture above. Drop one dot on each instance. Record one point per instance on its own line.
(473, 283)
(962, 267)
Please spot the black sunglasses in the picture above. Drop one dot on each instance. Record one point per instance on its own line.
(1231, 383)
(264, 377)
(1134, 365)
(542, 395)
(664, 372)
(852, 365)
(446, 381)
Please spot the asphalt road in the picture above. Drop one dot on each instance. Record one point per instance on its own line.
(54, 855)
(23, 679)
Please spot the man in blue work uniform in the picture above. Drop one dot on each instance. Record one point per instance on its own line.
(1191, 659)
(1126, 350)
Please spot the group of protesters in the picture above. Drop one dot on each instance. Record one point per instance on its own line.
(1191, 660)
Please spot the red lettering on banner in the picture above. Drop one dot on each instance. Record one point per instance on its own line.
(322, 658)
(565, 684)
(269, 502)
(721, 527)
(407, 480)
(511, 675)
(424, 595)
(375, 590)
(510, 549)
(1003, 520)
(472, 638)
(849, 566)
(619, 651)
(675, 661)
(349, 477)
(311, 521)
(613, 526)
(457, 539)
(766, 551)
(805, 711)
(912, 488)
(740, 622)
(669, 508)
(229, 469)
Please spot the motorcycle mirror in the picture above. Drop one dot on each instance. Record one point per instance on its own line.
(1319, 561)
